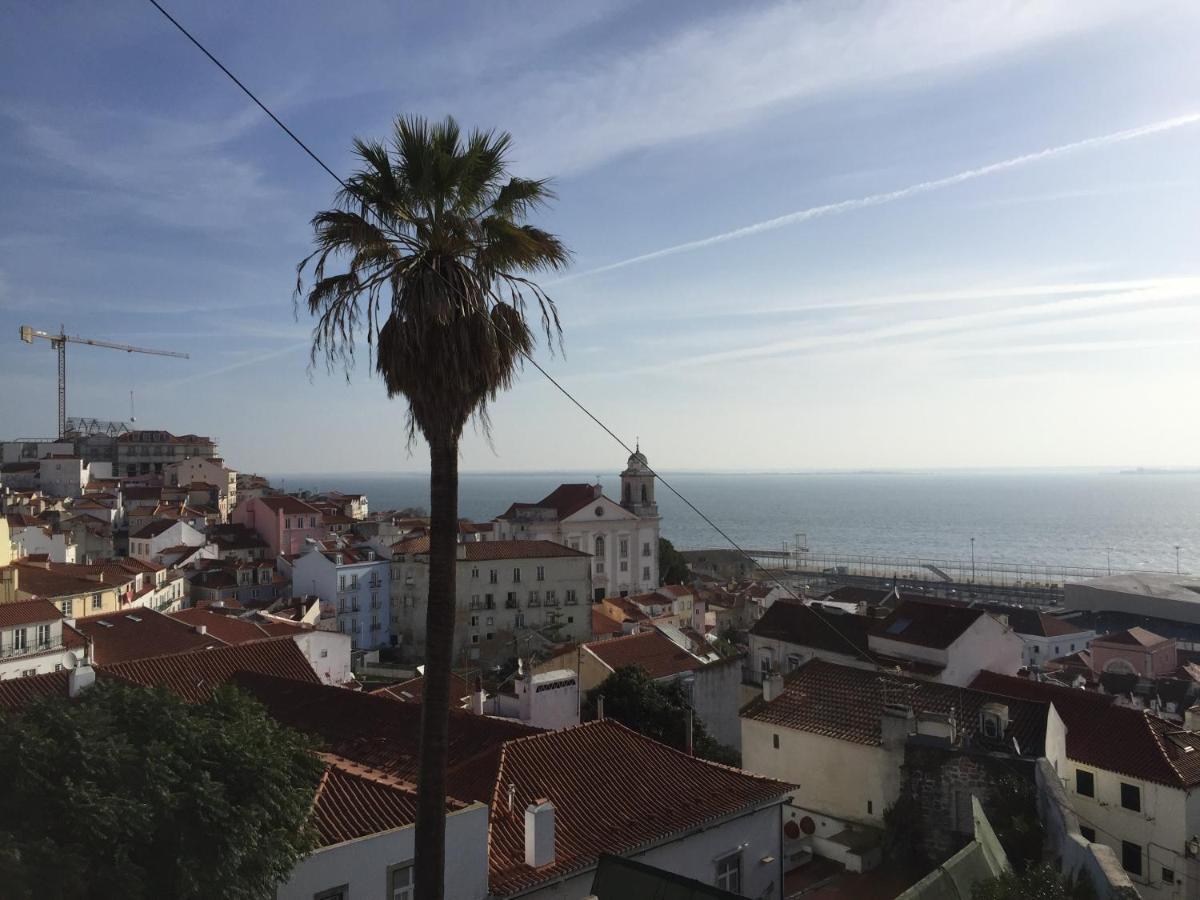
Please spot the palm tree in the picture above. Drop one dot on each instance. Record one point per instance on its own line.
(431, 233)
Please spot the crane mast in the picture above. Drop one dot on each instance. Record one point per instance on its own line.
(59, 343)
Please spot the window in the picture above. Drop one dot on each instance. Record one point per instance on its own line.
(1168, 876)
(312, 521)
(541, 573)
(474, 621)
(400, 882)
(67, 607)
(552, 598)
(599, 568)
(490, 621)
(18, 639)
(519, 620)
(574, 545)
(645, 573)
(511, 600)
(1131, 857)
(374, 600)
(96, 604)
(645, 548)
(775, 741)
(58, 667)
(1085, 783)
(533, 598)
(341, 582)
(870, 808)
(489, 636)
(1131, 797)
(729, 873)
(354, 582)
(28, 673)
(494, 576)
(287, 522)
(793, 662)
(475, 572)
(624, 565)
(324, 654)
(338, 893)
(624, 547)
(571, 597)
(516, 576)
(1089, 834)
(474, 639)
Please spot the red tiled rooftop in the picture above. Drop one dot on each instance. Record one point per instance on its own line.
(1106, 736)
(281, 503)
(927, 624)
(847, 703)
(1133, 637)
(193, 675)
(16, 693)
(656, 655)
(27, 612)
(139, 633)
(355, 801)
(659, 793)
(381, 733)
(602, 624)
(413, 690)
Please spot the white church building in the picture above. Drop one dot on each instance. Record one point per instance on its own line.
(621, 537)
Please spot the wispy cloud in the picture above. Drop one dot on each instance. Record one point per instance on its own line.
(724, 71)
(251, 359)
(879, 199)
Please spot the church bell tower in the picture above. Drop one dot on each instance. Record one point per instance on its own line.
(637, 486)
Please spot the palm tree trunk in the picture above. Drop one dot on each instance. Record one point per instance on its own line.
(439, 650)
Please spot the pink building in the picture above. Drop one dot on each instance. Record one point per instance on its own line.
(285, 523)
(1135, 651)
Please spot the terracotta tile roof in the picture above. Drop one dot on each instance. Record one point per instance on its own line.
(138, 633)
(60, 580)
(847, 703)
(1115, 738)
(927, 624)
(676, 590)
(413, 690)
(660, 792)
(384, 734)
(482, 551)
(564, 500)
(230, 629)
(152, 529)
(1134, 637)
(27, 612)
(193, 675)
(656, 655)
(794, 623)
(16, 693)
(281, 503)
(602, 624)
(628, 608)
(355, 801)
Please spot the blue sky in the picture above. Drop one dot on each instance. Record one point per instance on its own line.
(922, 234)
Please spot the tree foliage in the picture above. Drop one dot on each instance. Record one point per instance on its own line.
(1014, 817)
(672, 567)
(132, 793)
(658, 711)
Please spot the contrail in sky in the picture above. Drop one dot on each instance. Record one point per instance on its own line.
(829, 209)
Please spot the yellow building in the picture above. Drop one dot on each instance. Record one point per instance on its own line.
(64, 584)
(6, 549)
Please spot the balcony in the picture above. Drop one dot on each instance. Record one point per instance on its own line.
(31, 649)
(512, 603)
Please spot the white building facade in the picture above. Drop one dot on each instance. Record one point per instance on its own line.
(622, 538)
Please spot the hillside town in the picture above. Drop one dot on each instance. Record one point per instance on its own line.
(839, 741)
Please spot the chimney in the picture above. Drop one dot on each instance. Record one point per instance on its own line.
(477, 697)
(201, 629)
(1191, 718)
(896, 723)
(460, 550)
(772, 686)
(539, 833)
(691, 716)
(79, 679)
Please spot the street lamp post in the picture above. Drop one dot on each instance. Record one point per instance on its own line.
(972, 560)
(1108, 555)
(1176, 559)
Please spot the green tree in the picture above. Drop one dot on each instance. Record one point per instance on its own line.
(437, 260)
(672, 567)
(658, 711)
(1014, 817)
(132, 793)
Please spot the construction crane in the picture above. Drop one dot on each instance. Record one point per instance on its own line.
(59, 342)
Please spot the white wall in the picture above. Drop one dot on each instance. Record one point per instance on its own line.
(839, 778)
(363, 864)
(328, 652)
(757, 833)
(31, 540)
(1037, 650)
(314, 573)
(716, 698)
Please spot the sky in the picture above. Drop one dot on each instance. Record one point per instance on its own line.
(806, 236)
